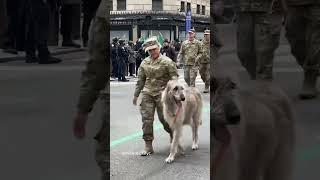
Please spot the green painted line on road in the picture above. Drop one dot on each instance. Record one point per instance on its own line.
(139, 133)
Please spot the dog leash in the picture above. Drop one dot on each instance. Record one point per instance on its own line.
(177, 114)
(221, 151)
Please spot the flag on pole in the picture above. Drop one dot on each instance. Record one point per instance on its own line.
(188, 21)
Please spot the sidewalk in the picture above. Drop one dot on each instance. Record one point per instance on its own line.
(55, 50)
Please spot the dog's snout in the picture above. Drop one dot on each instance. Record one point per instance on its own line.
(182, 97)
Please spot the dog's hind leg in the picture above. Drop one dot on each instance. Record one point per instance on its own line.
(174, 145)
(195, 136)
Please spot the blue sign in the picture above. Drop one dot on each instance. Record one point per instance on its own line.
(188, 21)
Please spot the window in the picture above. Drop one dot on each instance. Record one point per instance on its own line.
(198, 9)
(203, 10)
(157, 5)
(121, 5)
(188, 7)
(183, 7)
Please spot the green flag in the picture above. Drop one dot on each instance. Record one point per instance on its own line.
(160, 38)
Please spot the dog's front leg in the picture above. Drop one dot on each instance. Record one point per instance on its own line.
(174, 145)
(195, 137)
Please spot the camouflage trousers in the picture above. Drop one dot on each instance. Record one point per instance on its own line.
(303, 34)
(190, 74)
(147, 109)
(258, 36)
(4, 22)
(205, 73)
(98, 36)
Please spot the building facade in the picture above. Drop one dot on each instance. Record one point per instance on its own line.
(132, 19)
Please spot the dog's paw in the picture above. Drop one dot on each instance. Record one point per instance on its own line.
(195, 147)
(169, 160)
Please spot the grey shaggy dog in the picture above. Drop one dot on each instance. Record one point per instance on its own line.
(255, 126)
(182, 105)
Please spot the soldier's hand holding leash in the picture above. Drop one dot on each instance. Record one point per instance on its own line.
(79, 124)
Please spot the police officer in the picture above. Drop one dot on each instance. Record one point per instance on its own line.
(154, 73)
(191, 52)
(205, 61)
(258, 36)
(132, 58)
(123, 59)
(93, 80)
(114, 57)
(303, 34)
(168, 50)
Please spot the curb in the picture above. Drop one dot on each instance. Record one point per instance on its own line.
(53, 53)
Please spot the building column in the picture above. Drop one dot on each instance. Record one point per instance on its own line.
(134, 33)
(177, 32)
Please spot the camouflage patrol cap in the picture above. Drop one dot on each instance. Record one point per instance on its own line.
(115, 39)
(151, 43)
(121, 40)
(206, 31)
(192, 30)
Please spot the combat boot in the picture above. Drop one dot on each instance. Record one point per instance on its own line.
(148, 149)
(309, 90)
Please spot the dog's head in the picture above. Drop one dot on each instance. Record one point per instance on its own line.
(175, 92)
(223, 107)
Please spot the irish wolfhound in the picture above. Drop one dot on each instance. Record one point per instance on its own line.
(181, 106)
(260, 144)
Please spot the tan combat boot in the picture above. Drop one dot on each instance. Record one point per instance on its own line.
(148, 149)
(309, 90)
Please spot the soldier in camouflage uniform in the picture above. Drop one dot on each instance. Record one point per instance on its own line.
(258, 35)
(154, 73)
(94, 79)
(303, 34)
(191, 52)
(205, 61)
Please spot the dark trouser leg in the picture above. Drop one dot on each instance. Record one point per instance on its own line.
(42, 30)
(245, 43)
(187, 72)
(66, 25)
(30, 44)
(267, 37)
(303, 26)
(4, 23)
(87, 17)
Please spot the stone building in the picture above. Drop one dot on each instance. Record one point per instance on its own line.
(131, 19)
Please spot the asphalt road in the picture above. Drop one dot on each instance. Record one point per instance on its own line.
(37, 104)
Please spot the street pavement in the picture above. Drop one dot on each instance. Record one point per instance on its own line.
(37, 103)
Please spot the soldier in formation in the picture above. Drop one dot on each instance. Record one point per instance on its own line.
(154, 73)
(258, 35)
(190, 53)
(205, 61)
(94, 80)
(123, 61)
(303, 34)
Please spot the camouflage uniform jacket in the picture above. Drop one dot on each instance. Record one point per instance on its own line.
(154, 75)
(254, 5)
(190, 51)
(205, 52)
(95, 76)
